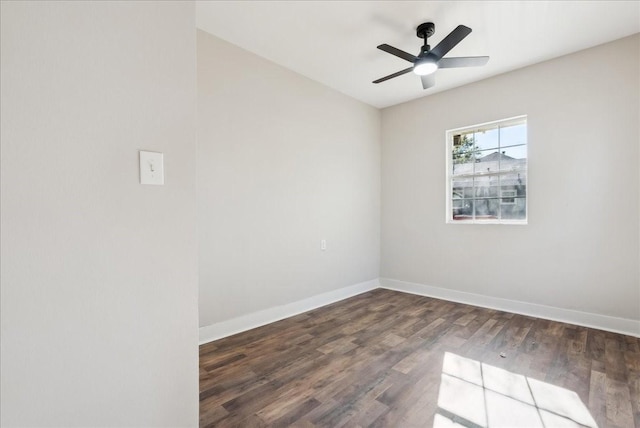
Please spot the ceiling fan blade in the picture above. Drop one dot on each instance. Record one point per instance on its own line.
(463, 61)
(450, 41)
(428, 81)
(391, 76)
(397, 52)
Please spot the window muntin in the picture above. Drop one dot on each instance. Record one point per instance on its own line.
(487, 173)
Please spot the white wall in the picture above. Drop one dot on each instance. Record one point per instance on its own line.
(99, 273)
(580, 250)
(283, 162)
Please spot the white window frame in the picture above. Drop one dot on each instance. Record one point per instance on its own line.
(449, 172)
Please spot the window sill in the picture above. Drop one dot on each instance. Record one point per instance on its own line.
(488, 221)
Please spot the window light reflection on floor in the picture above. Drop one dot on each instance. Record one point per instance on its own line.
(474, 394)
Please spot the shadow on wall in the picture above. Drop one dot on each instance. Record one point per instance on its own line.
(474, 394)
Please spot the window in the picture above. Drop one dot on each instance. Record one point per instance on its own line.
(487, 173)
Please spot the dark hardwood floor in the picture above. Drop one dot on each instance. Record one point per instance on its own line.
(377, 360)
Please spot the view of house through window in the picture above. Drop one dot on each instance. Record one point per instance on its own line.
(487, 172)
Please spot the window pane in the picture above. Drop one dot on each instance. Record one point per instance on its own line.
(487, 139)
(508, 195)
(464, 213)
(514, 181)
(515, 211)
(512, 135)
(486, 187)
(462, 154)
(513, 158)
(487, 209)
(487, 161)
(515, 152)
(461, 202)
(462, 168)
(462, 187)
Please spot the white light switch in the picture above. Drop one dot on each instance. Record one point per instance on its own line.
(151, 168)
(323, 244)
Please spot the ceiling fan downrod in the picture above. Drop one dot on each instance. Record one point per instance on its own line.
(425, 31)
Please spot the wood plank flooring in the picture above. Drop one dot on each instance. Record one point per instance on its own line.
(376, 360)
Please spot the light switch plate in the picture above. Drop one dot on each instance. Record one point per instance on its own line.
(151, 168)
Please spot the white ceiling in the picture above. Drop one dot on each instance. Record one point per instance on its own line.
(334, 42)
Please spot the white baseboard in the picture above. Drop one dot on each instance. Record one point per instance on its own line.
(222, 329)
(601, 322)
(242, 323)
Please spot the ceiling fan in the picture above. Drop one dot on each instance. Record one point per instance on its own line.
(429, 60)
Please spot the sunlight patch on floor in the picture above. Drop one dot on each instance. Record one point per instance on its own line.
(474, 394)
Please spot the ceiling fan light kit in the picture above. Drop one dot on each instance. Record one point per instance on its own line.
(425, 66)
(429, 60)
